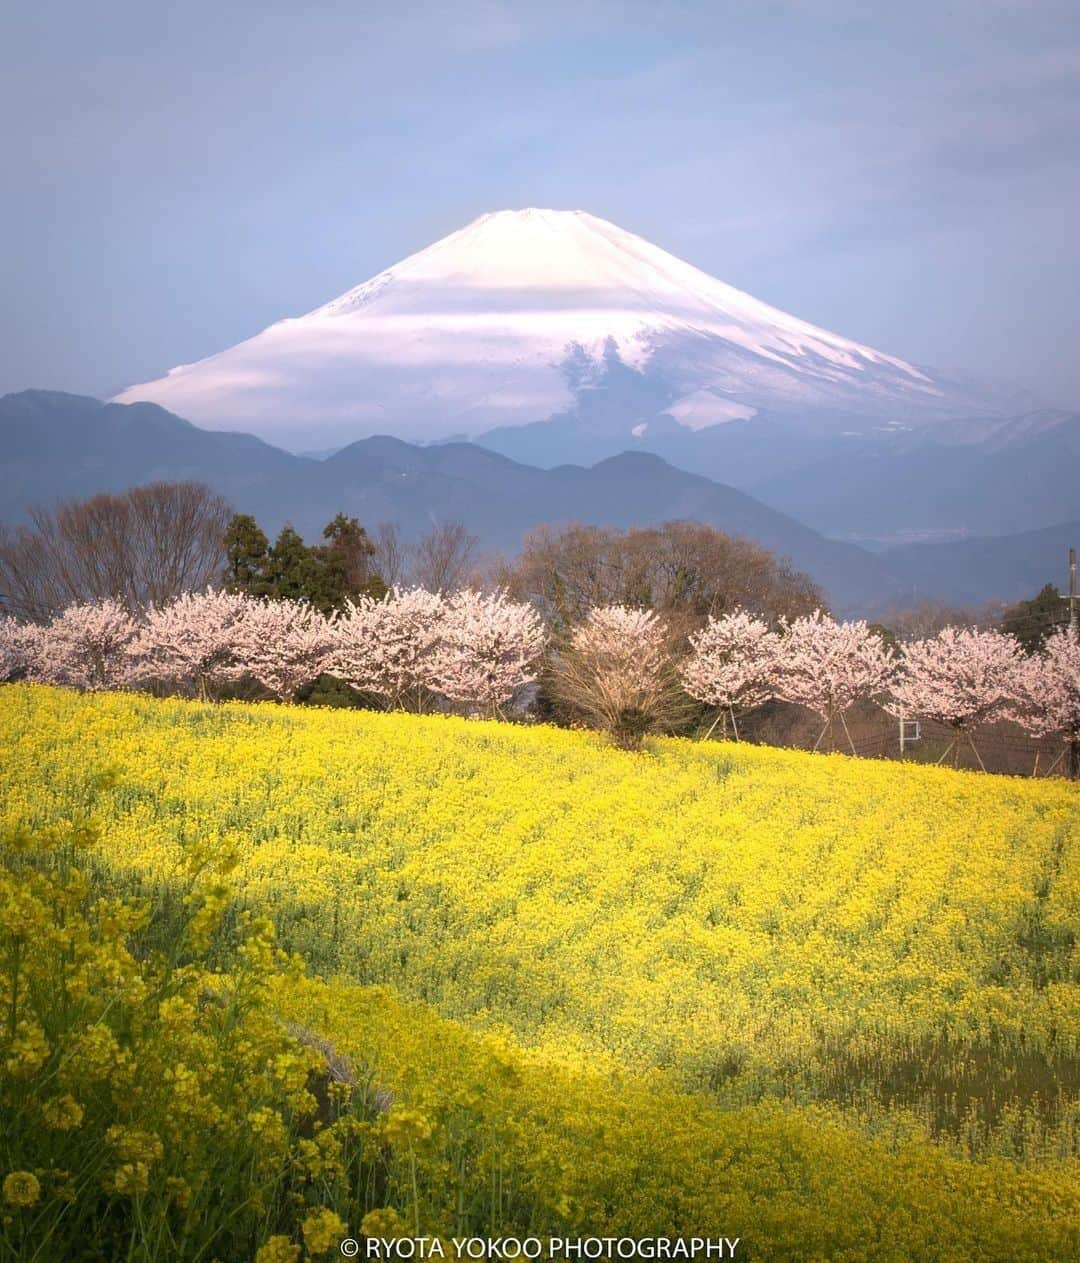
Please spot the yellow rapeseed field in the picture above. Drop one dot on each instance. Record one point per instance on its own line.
(828, 1005)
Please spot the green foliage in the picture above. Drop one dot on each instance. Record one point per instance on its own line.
(887, 636)
(247, 552)
(295, 573)
(346, 558)
(1030, 622)
(328, 690)
(327, 575)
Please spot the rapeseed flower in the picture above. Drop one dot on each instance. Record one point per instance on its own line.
(277, 1249)
(383, 1224)
(688, 990)
(322, 1230)
(21, 1188)
(28, 1051)
(62, 1113)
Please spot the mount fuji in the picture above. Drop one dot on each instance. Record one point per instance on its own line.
(544, 330)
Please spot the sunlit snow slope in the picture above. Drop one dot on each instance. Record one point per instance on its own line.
(511, 319)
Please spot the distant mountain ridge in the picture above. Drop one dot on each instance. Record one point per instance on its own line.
(58, 446)
(1023, 474)
(1012, 567)
(61, 446)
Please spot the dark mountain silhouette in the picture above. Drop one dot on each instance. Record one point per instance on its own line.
(60, 446)
(1013, 567)
(857, 478)
(57, 446)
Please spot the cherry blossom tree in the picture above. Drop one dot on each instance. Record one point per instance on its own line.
(732, 665)
(17, 648)
(488, 647)
(961, 678)
(615, 673)
(1049, 695)
(387, 647)
(88, 647)
(283, 644)
(827, 666)
(193, 641)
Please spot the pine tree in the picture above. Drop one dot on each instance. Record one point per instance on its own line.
(327, 576)
(346, 559)
(294, 573)
(247, 552)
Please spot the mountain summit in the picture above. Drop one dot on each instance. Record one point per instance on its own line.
(521, 317)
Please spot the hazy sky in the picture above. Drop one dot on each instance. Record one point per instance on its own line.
(175, 177)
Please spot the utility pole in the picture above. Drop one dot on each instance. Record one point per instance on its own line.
(1072, 598)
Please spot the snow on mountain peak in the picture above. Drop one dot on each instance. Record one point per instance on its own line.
(505, 321)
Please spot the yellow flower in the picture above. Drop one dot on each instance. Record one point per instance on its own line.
(320, 1158)
(176, 1014)
(133, 1145)
(322, 1230)
(269, 1127)
(592, 970)
(20, 913)
(277, 1250)
(406, 1127)
(21, 1188)
(130, 1179)
(186, 1088)
(205, 922)
(66, 1191)
(179, 1191)
(29, 1050)
(383, 1225)
(96, 1056)
(62, 1113)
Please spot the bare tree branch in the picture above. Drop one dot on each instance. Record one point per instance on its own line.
(141, 547)
(442, 558)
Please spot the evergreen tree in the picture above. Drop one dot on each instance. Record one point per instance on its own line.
(346, 558)
(294, 572)
(247, 553)
(1031, 622)
(326, 575)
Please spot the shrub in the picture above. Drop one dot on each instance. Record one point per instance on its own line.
(615, 673)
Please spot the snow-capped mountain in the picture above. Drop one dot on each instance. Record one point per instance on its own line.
(522, 315)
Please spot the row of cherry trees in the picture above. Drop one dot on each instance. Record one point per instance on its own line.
(959, 678)
(618, 669)
(404, 650)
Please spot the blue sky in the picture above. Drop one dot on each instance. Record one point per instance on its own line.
(177, 177)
